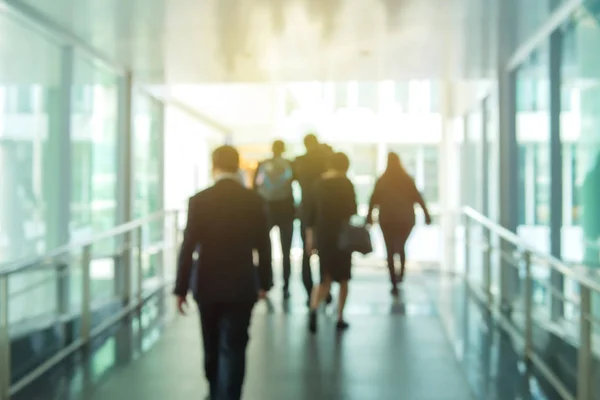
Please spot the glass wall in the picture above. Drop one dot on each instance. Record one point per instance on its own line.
(94, 152)
(581, 138)
(533, 137)
(147, 153)
(27, 142)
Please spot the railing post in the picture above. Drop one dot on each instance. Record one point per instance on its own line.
(487, 266)
(124, 274)
(584, 366)
(86, 294)
(528, 306)
(5, 357)
(140, 265)
(467, 245)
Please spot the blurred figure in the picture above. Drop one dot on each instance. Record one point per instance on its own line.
(308, 169)
(226, 223)
(591, 215)
(273, 181)
(334, 203)
(395, 195)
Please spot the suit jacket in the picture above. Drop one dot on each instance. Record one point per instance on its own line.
(226, 223)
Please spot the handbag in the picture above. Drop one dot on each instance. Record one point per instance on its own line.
(355, 238)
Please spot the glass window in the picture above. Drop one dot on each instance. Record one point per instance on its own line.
(580, 134)
(367, 95)
(28, 168)
(533, 137)
(341, 95)
(93, 150)
(472, 176)
(431, 171)
(402, 95)
(147, 147)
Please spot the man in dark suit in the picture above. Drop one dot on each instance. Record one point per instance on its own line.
(226, 223)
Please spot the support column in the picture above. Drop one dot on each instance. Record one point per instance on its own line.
(447, 180)
(122, 271)
(556, 165)
(125, 150)
(508, 193)
(57, 175)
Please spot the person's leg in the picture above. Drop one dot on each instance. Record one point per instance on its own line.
(286, 234)
(209, 320)
(402, 249)
(319, 294)
(391, 252)
(342, 324)
(306, 271)
(233, 330)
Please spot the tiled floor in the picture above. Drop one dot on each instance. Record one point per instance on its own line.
(394, 350)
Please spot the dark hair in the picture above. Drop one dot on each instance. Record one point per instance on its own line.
(394, 168)
(311, 141)
(339, 162)
(226, 158)
(278, 147)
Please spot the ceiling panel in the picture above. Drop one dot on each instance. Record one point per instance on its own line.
(192, 41)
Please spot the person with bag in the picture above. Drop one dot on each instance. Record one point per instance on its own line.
(273, 181)
(334, 203)
(395, 195)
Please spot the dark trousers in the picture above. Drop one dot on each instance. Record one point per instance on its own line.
(395, 237)
(282, 215)
(225, 337)
(306, 272)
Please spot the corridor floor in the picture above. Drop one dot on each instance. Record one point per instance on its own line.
(394, 350)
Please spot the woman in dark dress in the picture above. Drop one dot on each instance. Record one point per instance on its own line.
(334, 203)
(395, 195)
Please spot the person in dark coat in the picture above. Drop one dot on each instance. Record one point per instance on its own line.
(395, 195)
(226, 224)
(334, 203)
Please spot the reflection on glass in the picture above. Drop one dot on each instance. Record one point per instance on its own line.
(94, 149)
(581, 136)
(533, 137)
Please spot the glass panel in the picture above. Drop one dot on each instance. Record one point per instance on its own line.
(580, 120)
(533, 137)
(474, 154)
(94, 151)
(28, 156)
(146, 147)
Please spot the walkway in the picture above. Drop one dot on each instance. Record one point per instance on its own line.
(393, 351)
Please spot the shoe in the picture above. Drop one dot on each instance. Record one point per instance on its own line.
(286, 293)
(312, 321)
(342, 325)
(329, 299)
(395, 291)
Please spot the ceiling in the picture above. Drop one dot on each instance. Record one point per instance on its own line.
(209, 41)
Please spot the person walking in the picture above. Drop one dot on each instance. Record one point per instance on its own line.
(273, 181)
(308, 169)
(334, 203)
(395, 195)
(226, 223)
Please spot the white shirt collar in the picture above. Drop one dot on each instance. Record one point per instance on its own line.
(228, 175)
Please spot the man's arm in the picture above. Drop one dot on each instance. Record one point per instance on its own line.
(263, 247)
(255, 177)
(190, 240)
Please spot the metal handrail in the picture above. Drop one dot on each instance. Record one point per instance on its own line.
(23, 265)
(586, 287)
(517, 241)
(131, 255)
